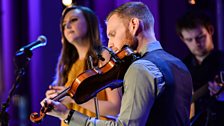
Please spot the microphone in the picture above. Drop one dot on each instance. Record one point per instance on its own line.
(41, 41)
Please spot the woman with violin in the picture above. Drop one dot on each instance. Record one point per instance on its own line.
(81, 39)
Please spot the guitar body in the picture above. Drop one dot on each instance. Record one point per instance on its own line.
(202, 74)
(204, 104)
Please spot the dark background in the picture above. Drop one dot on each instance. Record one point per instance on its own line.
(22, 21)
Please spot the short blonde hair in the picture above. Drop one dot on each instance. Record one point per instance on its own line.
(135, 9)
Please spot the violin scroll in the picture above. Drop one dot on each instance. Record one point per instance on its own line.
(37, 118)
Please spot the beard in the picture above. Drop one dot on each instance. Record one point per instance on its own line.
(131, 40)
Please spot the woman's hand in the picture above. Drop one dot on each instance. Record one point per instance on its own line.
(53, 92)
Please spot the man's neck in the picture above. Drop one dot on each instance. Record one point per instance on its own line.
(144, 38)
(200, 59)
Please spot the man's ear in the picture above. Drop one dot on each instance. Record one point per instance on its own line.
(134, 26)
(182, 39)
(211, 29)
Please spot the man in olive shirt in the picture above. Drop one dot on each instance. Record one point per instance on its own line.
(157, 87)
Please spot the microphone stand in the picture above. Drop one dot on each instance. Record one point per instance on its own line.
(20, 72)
(95, 98)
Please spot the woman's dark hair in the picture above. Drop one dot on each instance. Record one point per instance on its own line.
(69, 53)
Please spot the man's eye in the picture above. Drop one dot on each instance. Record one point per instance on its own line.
(201, 37)
(188, 40)
(112, 34)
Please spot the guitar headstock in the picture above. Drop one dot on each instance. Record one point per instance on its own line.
(222, 77)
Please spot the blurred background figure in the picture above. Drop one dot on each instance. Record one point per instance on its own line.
(205, 63)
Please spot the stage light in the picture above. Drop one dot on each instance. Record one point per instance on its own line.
(192, 2)
(67, 2)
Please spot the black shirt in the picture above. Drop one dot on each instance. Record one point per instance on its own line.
(201, 74)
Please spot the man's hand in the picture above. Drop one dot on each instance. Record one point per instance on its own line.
(59, 110)
(214, 89)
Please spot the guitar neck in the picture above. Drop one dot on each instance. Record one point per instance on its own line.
(202, 91)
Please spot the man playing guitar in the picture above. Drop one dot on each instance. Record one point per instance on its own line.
(205, 63)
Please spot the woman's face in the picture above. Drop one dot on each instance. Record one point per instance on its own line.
(75, 26)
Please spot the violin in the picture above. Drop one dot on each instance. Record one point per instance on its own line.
(90, 82)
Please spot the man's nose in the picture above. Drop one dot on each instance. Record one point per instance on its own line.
(110, 43)
(197, 42)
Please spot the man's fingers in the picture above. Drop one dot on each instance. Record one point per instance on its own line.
(43, 102)
(213, 88)
(56, 88)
